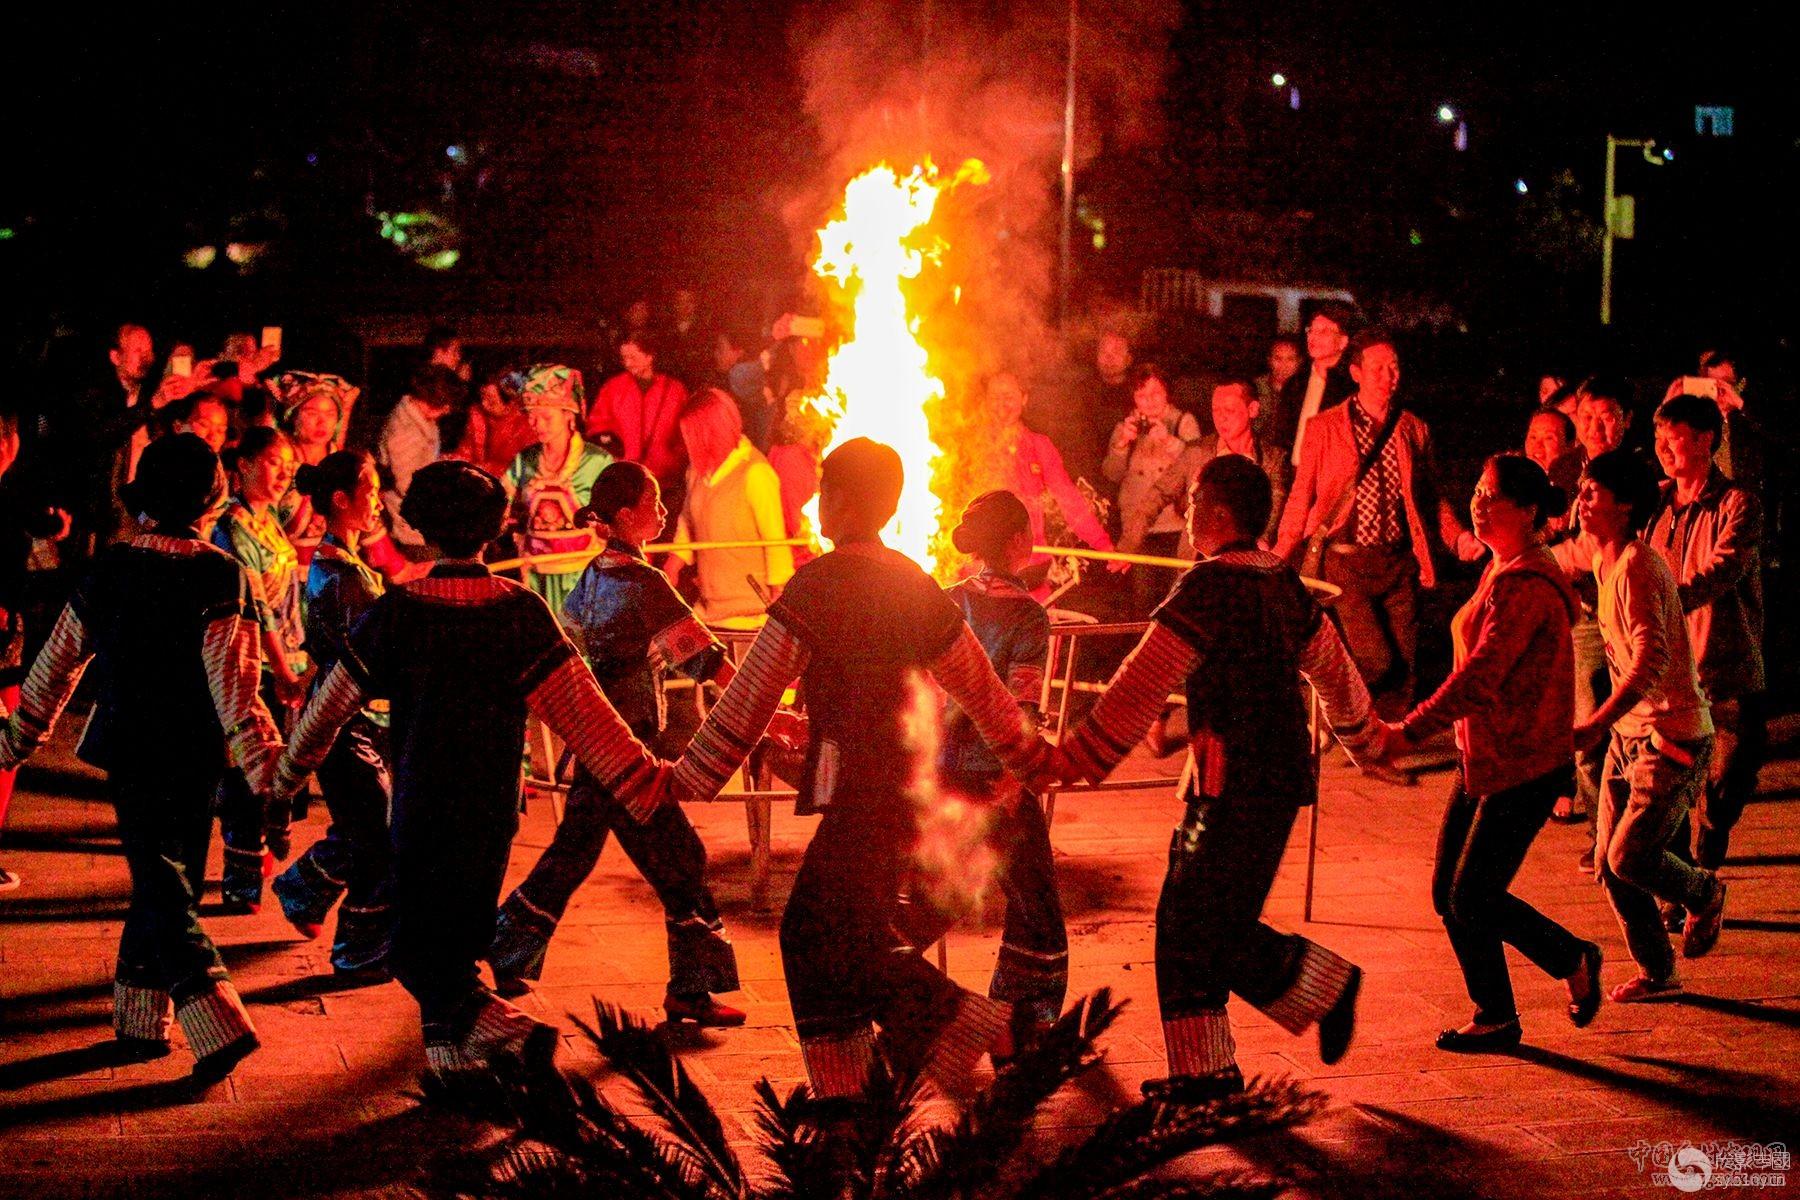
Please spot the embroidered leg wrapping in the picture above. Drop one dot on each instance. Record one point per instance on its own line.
(838, 1064)
(976, 1028)
(213, 1019)
(364, 934)
(502, 1030)
(1200, 1043)
(306, 891)
(140, 1012)
(1320, 980)
(1031, 981)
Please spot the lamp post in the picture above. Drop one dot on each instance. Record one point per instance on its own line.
(1067, 240)
(1619, 213)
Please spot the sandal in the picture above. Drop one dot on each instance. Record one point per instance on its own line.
(1642, 988)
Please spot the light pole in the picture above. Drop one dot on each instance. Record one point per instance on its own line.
(1619, 214)
(1067, 240)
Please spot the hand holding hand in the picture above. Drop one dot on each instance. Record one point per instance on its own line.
(1117, 568)
(790, 730)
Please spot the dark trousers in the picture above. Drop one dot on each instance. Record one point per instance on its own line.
(1210, 936)
(354, 858)
(1032, 971)
(165, 823)
(450, 855)
(845, 963)
(1481, 845)
(666, 851)
(241, 823)
(1379, 614)
(1740, 746)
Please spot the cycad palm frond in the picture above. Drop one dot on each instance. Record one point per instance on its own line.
(1150, 1133)
(560, 1138)
(964, 1159)
(633, 1049)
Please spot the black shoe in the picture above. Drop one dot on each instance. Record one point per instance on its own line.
(1195, 1089)
(1674, 917)
(1338, 1025)
(1492, 1041)
(219, 1063)
(509, 987)
(372, 975)
(1582, 1009)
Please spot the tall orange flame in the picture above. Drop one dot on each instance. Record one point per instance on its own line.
(878, 382)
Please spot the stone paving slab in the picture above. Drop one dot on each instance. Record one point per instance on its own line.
(326, 1109)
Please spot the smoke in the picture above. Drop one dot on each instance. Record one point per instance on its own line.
(951, 80)
(953, 857)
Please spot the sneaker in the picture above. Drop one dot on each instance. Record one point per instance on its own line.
(703, 1010)
(1642, 988)
(1701, 932)
(8, 880)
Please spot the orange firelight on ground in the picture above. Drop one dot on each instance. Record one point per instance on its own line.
(878, 381)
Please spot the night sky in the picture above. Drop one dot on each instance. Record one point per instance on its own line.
(602, 149)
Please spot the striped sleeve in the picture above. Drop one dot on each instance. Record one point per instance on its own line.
(1134, 697)
(735, 724)
(47, 688)
(1327, 666)
(573, 706)
(682, 641)
(965, 672)
(335, 701)
(232, 652)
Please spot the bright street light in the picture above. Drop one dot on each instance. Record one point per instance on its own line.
(1446, 114)
(1278, 79)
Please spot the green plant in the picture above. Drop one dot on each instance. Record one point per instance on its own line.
(559, 1137)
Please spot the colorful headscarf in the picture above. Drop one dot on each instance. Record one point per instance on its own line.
(293, 390)
(552, 385)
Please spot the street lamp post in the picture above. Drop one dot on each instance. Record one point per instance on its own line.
(1619, 214)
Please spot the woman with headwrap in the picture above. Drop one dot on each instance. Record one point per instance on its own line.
(552, 481)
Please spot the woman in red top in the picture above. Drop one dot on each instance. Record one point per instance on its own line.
(1512, 700)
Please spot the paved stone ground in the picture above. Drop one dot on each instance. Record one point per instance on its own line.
(324, 1108)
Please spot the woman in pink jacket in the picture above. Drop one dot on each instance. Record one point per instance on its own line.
(1512, 700)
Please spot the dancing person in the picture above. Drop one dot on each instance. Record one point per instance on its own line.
(351, 862)
(551, 481)
(1708, 528)
(250, 531)
(861, 627)
(633, 629)
(1241, 634)
(1511, 698)
(1659, 727)
(733, 495)
(1032, 971)
(169, 620)
(462, 656)
(24, 517)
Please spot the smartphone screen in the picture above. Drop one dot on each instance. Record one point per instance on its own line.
(271, 337)
(181, 364)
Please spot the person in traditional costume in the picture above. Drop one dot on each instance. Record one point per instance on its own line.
(634, 630)
(864, 629)
(1241, 634)
(552, 481)
(462, 657)
(169, 621)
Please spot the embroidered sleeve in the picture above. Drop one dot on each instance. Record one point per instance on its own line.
(1030, 652)
(233, 657)
(965, 673)
(1134, 697)
(335, 701)
(571, 703)
(47, 688)
(1327, 666)
(686, 645)
(735, 724)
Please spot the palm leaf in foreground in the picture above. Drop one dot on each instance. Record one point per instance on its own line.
(633, 1049)
(965, 1158)
(1148, 1134)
